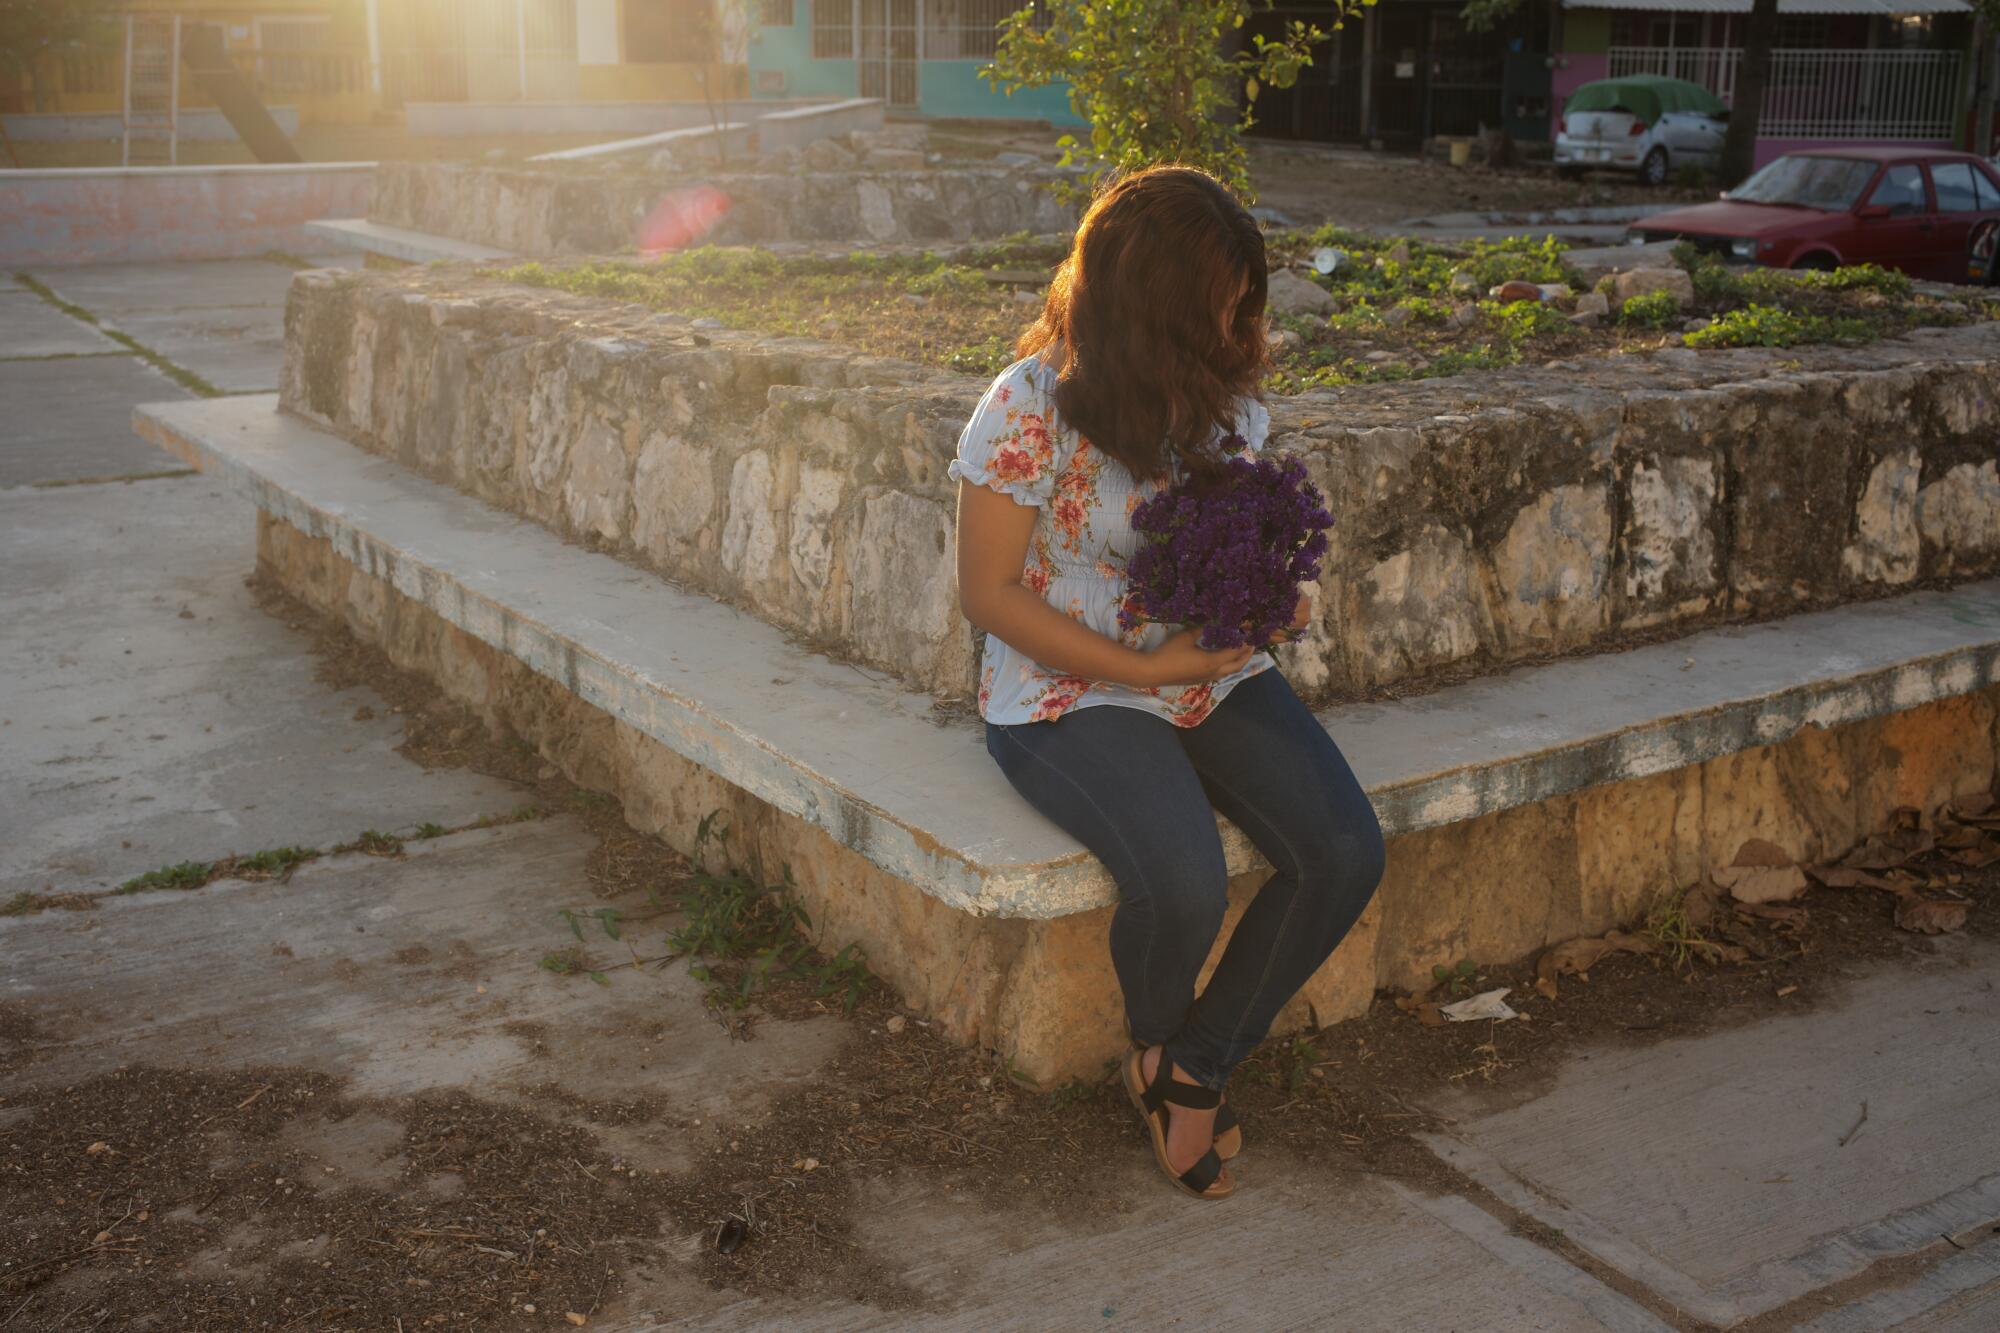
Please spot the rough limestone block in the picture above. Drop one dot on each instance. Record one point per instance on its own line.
(1420, 608)
(750, 534)
(1926, 756)
(1497, 887)
(1636, 843)
(673, 500)
(1644, 281)
(1959, 515)
(1790, 512)
(1669, 538)
(597, 495)
(1291, 294)
(1552, 569)
(811, 548)
(1886, 544)
(1750, 795)
(904, 595)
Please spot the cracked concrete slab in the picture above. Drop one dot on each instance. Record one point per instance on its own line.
(1299, 1250)
(1735, 1172)
(238, 349)
(152, 713)
(115, 289)
(401, 975)
(71, 419)
(31, 327)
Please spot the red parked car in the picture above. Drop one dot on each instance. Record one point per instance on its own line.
(1932, 213)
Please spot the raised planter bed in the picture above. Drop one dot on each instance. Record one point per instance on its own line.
(1481, 520)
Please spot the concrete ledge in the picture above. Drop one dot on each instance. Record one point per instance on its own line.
(868, 764)
(195, 123)
(411, 247)
(732, 137)
(452, 119)
(800, 126)
(97, 215)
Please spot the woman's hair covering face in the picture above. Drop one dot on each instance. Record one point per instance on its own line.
(1135, 318)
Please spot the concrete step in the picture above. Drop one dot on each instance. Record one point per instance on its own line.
(870, 764)
(412, 247)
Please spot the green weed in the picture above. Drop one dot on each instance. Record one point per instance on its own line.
(1649, 310)
(1767, 326)
(1675, 932)
(1456, 979)
(747, 937)
(185, 875)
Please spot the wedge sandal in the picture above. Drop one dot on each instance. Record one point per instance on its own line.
(1151, 1099)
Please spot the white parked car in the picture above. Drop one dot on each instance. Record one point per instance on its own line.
(1645, 124)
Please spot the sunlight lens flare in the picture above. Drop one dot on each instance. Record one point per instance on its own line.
(680, 219)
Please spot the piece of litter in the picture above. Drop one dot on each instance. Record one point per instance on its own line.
(1487, 1004)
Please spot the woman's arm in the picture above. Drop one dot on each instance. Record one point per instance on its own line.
(993, 536)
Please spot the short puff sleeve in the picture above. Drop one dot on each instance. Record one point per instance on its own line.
(1012, 442)
(1253, 424)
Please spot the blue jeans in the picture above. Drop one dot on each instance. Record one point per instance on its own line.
(1137, 791)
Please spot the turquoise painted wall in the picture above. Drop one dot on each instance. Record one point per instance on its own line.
(944, 87)
(790, 49)
(954, 88)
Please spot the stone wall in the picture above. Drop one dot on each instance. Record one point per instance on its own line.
(583, 210)
(1481, 519)
(1042, 992)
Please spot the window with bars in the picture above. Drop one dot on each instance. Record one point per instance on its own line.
(777, 14)
(970, 29)
(833, 29)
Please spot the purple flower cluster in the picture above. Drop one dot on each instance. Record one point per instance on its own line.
(1228, 553)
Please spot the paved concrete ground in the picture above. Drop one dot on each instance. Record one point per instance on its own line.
(1705, 1177)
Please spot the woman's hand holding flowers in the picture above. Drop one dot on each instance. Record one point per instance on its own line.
(1181, 660)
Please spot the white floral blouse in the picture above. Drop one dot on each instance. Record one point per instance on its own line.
(1076, 558)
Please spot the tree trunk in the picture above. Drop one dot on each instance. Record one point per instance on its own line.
(1986, 49)
(1739, 148)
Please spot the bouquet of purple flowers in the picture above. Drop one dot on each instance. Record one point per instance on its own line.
(1228, 553)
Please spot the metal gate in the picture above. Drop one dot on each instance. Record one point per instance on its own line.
(888, 51)
(152, 91)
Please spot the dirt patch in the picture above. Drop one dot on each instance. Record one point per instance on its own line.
(184, 1199)
(1314, 184)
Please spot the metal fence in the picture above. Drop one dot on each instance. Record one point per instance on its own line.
(1817, 94)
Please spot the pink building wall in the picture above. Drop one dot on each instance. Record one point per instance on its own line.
(84, 215)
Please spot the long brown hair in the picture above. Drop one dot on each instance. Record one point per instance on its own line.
(1133, 319)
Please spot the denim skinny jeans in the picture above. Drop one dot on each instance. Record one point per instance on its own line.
(1138, 791)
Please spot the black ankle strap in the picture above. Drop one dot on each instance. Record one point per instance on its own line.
(1165, 1088)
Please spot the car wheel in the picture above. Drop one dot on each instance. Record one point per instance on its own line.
(1819, 261)
(1653, 171)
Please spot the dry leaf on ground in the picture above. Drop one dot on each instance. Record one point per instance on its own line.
(1577, 957)
(1425, 1010)
(1781, 913)
(1979, 808)
(1931, 916)
(1847, 877)
(1761, 883)
(1761, 852)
